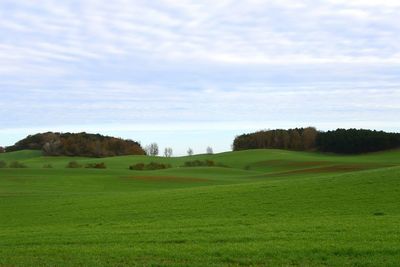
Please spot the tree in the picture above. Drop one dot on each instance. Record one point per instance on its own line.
(2, 150)
(152, 149)
(285, 139)
(295, 140)
(168, 152)
(190, 152)
(209, 150)
(309, 138)
(52, 147)
(78, 144)
(352, 141)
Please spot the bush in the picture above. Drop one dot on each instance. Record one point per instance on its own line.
(73, 165)
(150, 166)
(16, 164)
(100, 165)
(137, 167)
(47, 166)
(3, 164)
(157, 166)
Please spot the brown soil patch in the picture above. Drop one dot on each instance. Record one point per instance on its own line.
(307, 163)
(332, 169)
(278, 162)
(335, 168)
(168, 179)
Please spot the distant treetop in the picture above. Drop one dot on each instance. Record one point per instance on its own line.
(344, 141)
(78, 144)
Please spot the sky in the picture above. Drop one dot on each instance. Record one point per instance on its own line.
(197, 73)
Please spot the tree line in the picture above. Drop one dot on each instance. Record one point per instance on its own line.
(356, 141)
(153, 150)
(78, 144)
(346, 141)
(293, 139)
(85, 144)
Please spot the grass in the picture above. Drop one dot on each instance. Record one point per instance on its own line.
(265, 208)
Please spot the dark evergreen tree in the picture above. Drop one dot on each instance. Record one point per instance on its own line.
(337, 141)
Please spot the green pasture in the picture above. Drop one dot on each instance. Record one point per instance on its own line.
(257, 208)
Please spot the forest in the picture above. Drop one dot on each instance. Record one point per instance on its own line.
(354, 141)
(344, 141)
(78, 144)
(292, 139)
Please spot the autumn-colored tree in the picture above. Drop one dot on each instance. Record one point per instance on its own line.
(285, 139)
(78, 144)
(294, 139)
(338, 141)
(309, 137)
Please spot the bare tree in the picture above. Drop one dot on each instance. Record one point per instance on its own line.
(168, 152)
(190, 152)
(152, 149)
(2, 149)
(210, 150)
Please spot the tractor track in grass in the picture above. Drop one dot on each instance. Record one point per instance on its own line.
(168, 179)
(338, 168)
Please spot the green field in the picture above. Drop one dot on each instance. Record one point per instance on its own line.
(262, 208)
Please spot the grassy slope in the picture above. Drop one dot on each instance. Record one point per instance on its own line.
(206, 216)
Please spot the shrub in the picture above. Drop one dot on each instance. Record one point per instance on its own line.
(137, 167)
(100, 165)
(47, 166)
(157, 166)
(3, 164)
(16, 164)
(149, 166)
(74, 164)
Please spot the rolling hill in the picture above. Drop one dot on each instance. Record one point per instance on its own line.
(262, 207)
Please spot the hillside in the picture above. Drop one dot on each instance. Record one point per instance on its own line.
(264, 207)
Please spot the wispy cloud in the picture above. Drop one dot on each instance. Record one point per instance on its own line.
(229, 31)
(186, 62)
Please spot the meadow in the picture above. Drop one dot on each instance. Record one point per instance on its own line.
(256, 208)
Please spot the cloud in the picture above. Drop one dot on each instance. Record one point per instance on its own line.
(186, 62)
(230, 32)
